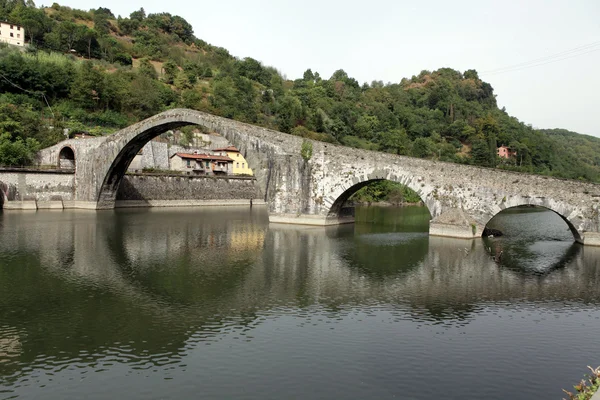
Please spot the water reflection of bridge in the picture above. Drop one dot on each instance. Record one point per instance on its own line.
(176, 274)
(330, 265)
(442, 266)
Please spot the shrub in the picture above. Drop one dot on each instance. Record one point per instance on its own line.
(587, 387)
(307, 150)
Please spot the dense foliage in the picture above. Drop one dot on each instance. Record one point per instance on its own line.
(94, 72)
(385, 191)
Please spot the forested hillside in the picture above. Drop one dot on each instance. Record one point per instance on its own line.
(90, 71)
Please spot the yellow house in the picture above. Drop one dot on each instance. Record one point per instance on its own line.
(240, 165)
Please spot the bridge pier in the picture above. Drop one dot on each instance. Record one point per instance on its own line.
(306, 219)
(455, 223)
(455, 230)
(590, 239)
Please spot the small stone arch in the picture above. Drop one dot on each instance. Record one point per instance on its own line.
(576, 234)
(66, 158)
(344, 193)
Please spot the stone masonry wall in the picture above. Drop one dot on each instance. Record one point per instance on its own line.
(21, 185)
(36, 185)
(81, 147)
(176, 187)
(155, 155)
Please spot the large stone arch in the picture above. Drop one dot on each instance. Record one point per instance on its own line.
(110, 184)
(97, 181)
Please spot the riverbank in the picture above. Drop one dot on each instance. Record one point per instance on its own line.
(587, 388)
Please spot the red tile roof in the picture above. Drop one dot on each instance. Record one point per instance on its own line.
(232, 149)
(204, 157)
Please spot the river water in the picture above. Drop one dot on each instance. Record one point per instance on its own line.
(217, 303)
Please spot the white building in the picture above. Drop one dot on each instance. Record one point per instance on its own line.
(12, 34)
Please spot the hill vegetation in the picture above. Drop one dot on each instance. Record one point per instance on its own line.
(89, 71)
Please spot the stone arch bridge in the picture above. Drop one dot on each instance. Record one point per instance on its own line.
(461, 199)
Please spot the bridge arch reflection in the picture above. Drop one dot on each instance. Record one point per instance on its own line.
(144, 271)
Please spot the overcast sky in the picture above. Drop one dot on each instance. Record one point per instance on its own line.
(391, 39)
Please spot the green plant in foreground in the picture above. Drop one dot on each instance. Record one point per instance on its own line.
(587, 387)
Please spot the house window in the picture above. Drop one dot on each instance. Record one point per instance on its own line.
(18, 36)
(243, 165)
(188, 163)
(18, 28)
(11, 27)
(12, 35)
(207, 164)
(237, 165)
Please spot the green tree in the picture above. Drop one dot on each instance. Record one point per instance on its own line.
(252, 69)
(145, 97)
(422, 147)
(471, 74)
(139, 15)
(128, 26)
(147, 69)
(182, 28)
(366, 125)
(480, 152)
(32, 19)
(308, 76)
(395, 141)
(90, 37)
(67, 34)
(17, 152)
(289, 113)
(101, 23)
(246, 96)
(191, 99)
(182, 81)
(170, 71)
(87, 86)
